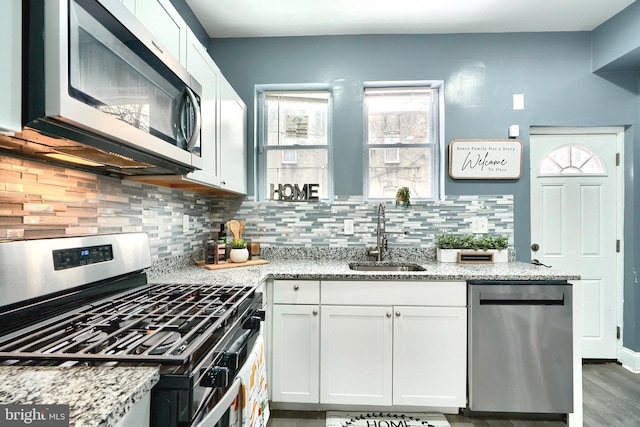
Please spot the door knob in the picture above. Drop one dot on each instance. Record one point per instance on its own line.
(535, 247)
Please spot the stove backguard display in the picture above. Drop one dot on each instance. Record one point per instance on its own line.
(76, 257)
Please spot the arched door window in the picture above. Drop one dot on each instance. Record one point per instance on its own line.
(571, 160)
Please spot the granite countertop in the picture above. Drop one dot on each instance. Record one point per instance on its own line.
(332, 269)
(97, 396)
(100, 396)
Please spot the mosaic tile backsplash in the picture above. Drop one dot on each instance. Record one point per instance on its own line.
(39, 200)
(295, 224)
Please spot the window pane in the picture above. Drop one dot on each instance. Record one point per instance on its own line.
(297, 118)
(413, 170)
(398, 116)
(310, 168)
(571, 160)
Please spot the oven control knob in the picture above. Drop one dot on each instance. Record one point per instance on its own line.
(252, 323)
(217, 376)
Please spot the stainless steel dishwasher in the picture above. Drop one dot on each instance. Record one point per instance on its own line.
(520, 347)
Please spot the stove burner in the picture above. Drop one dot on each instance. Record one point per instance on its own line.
(170, 324)
(159, 342)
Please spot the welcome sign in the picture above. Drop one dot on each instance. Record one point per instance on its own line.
(485, 159)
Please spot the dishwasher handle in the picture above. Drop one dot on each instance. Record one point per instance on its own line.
(518, 298)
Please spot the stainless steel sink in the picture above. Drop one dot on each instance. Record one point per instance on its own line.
(385, 267)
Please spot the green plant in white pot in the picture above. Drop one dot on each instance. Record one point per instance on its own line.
(449, 245)
(239, 251)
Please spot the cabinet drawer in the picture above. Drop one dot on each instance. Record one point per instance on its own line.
(296, 292)
(410, 293)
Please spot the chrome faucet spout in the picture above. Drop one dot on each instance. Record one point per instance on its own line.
(381, 235)
(381, 239)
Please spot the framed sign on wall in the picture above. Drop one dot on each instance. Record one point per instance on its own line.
(485, 159)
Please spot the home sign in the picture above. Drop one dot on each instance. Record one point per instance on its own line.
(485, 159)
(293, 192)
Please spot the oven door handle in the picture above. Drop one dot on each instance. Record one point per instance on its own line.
(215, 415)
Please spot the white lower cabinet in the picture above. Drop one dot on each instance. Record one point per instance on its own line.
(295, 341)
(381, 343)
(295, 354)
(356, 355)
(430, 356)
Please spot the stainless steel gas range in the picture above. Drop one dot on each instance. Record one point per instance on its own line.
(86, 301)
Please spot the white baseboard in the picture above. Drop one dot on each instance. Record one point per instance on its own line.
(630, 360)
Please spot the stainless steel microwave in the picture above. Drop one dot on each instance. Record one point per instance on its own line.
(102, 93)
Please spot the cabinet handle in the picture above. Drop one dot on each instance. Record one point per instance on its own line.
(397, 314)
(388, 314)
(296, 287)
(315, 312)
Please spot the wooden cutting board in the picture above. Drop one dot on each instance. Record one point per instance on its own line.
(232, 264)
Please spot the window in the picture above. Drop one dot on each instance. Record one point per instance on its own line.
(296, 143)
(571, 160)
(402, 141)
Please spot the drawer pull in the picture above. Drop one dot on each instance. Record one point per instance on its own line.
(296, 287)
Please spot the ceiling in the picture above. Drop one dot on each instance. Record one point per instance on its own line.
(267, 18)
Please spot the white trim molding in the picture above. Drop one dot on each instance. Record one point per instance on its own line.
(630, 360)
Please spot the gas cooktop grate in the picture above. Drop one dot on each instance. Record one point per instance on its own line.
(165, 323)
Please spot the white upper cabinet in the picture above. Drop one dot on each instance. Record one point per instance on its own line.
(11, 66)
(204, 70)
(224, 114)
(233, 140)
(164, 22)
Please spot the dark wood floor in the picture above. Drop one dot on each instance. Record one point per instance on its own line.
(611, 396)
(611, 399)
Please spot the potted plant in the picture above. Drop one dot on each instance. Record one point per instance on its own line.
(449, 245)
(239, 252)
(403, 197)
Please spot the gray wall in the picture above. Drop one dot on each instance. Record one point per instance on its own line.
(616, 43)
(481, 73)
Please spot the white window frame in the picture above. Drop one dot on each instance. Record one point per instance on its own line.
(437, 135)
(260, 131)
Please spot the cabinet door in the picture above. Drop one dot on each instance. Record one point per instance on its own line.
(295, 354)
(164, 22)
(204, 70)
(356, 355)
(429, 356)
(10, 66)
(233, 140)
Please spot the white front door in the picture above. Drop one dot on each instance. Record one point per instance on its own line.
(575, 215)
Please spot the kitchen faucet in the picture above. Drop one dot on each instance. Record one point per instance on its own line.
(381, 235)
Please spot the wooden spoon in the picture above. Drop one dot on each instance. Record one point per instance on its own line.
(233, 227)
(242, 224)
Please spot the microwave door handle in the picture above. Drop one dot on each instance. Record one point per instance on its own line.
(193, 139)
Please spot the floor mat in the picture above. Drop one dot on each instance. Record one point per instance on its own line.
(386, 419)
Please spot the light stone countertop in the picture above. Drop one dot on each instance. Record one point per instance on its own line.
(332, 269)
(100, 396)
(97, 396)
